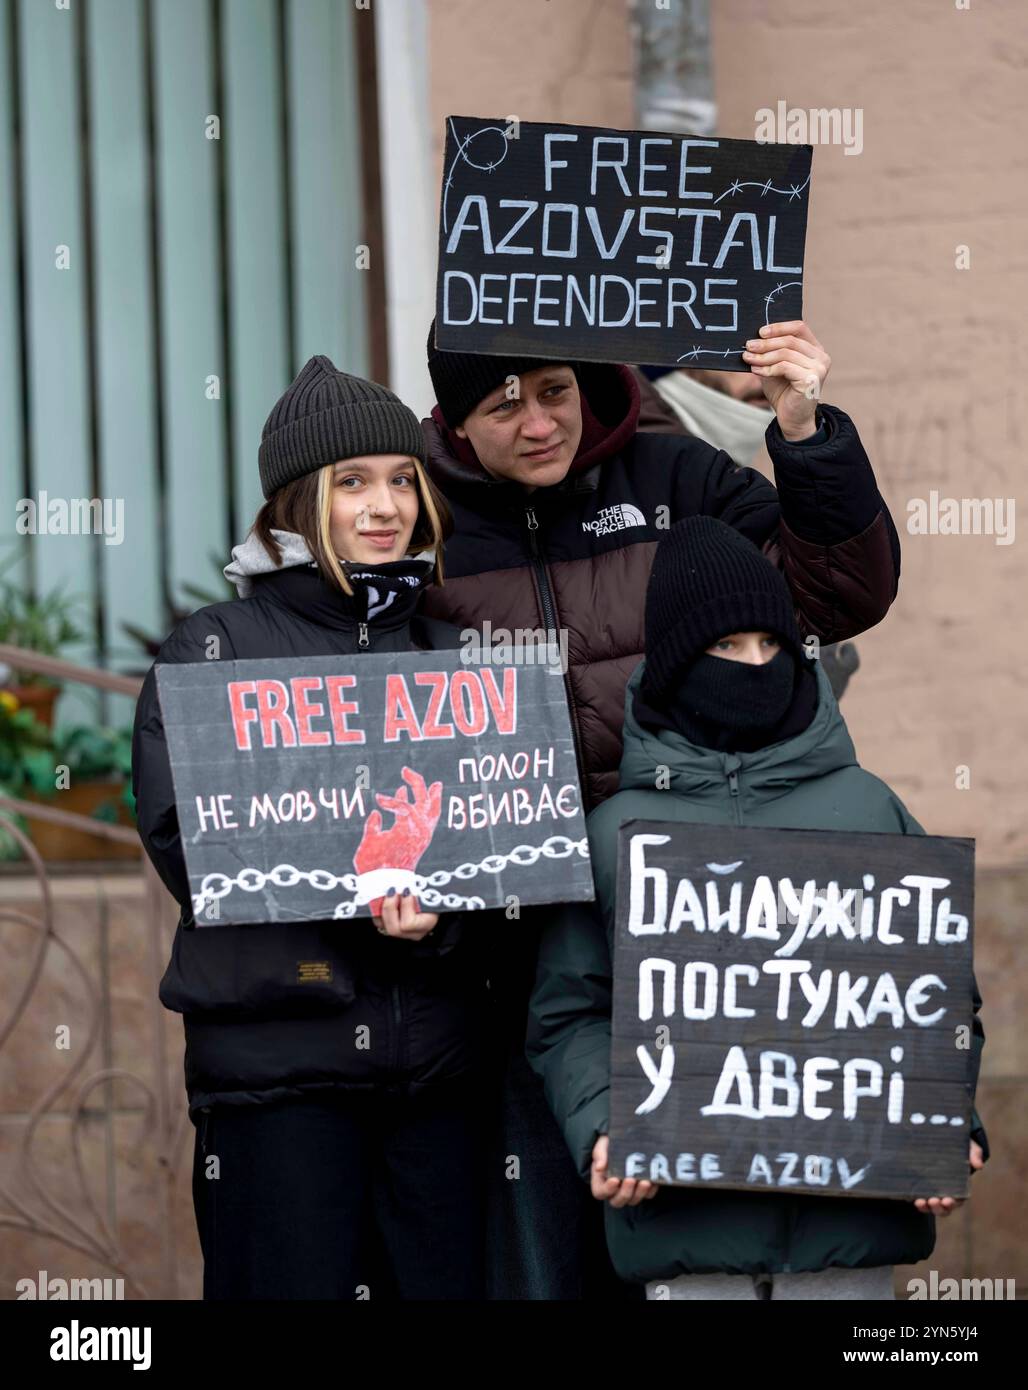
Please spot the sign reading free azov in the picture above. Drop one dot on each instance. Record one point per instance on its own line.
(792, 1010)
(308, 788)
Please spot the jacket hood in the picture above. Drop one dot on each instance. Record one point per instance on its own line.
(251, 559)
(386, 593)
(610, 417)
(824, 746)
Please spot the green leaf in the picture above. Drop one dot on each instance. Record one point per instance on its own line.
(39, 770)
(9, 847)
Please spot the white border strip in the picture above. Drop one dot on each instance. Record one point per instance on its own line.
(409, 198)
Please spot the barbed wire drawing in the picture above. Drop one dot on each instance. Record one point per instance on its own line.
(738, 351)
(737, 185)
(462, 154)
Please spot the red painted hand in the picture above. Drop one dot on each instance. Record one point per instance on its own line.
(405, 842)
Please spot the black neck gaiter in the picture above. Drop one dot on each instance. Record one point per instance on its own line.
(734, 706)
(386, 593)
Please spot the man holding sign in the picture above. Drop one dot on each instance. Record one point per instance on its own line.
(730, 725)
(558, 500)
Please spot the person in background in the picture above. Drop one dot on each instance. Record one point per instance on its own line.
(727, 409)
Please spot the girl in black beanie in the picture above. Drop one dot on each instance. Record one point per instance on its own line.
(330, 1065)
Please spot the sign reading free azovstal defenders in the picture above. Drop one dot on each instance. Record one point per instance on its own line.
(306, 788)
(584, 243)
(792, 1010)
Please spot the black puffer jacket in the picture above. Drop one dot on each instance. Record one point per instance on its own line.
(386, 1013)
(576, 556)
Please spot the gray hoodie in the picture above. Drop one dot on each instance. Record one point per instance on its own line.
(251, 558)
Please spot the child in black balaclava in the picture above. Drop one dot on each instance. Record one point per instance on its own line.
(727, 723)
(725, 665)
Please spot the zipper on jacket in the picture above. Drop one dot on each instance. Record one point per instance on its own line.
(362, 635)
(550, 623)
(733, 792)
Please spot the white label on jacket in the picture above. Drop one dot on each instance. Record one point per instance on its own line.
(616, 518)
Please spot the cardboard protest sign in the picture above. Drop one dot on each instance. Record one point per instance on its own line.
(306, 788)
(792, 1010)
(586, 243)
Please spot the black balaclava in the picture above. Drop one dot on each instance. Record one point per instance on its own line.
(708, 581)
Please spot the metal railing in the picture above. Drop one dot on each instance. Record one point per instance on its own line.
(64, 1208)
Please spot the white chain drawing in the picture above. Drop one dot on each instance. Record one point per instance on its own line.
(218, 885)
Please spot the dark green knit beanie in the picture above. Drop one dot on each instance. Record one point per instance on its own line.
(326, 415)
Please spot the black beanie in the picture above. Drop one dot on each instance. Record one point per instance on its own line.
(326, 415)
(708, 580)
(462, 379)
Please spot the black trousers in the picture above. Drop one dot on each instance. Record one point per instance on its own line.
(347, 1195)
(546, 1238)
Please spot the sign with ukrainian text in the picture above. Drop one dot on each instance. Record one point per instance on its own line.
(307, 788)
(792, 1010)
(588, 243)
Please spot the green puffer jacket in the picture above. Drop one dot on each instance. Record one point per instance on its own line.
(813, 782)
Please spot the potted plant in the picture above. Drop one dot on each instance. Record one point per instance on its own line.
(96, 783)
(99, 784)
(26, 760)
(42, 625)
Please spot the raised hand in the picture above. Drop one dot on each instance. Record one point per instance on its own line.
(792, 367)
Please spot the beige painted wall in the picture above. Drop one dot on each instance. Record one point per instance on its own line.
(538, 60)
(922, 353)
(922, 358)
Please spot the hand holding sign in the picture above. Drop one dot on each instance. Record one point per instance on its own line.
(942, 1206)
(403, 845)
(400, 917)
(619, 1192)
(792, 366)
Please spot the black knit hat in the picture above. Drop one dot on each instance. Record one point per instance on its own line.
(708, 580)
(326, 415)
(462, 379)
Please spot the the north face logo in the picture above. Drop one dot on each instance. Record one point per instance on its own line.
(616, 518)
